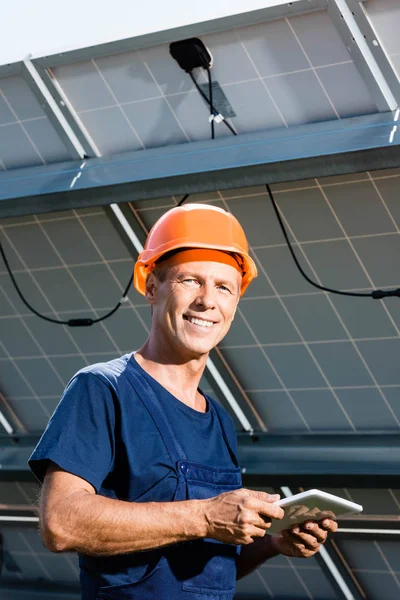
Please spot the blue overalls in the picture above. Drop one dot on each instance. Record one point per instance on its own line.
(203, 569)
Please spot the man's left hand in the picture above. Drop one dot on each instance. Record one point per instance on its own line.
(303, 541)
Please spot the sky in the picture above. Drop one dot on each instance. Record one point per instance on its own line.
(42, 27)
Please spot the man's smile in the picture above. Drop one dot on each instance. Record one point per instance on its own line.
(199, 322)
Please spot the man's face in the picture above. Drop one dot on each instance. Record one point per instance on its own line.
(193, 307)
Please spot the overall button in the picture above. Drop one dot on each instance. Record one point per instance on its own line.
(184, 469)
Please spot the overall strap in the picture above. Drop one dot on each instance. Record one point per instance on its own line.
(219, 412)
(153, 405)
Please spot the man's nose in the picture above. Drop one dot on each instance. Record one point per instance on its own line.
(206, 297)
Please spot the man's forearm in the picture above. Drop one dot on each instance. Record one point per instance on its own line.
(253, 555)
(95, 525)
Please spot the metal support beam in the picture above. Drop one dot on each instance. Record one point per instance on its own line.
(329, 148)
(39, 591)
(15, 451)
(56, 110)
(8, 418)
(310, 460)
(355, 38)
(375, 47)
(334, 460)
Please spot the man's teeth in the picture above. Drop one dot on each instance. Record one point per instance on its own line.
(200, 322)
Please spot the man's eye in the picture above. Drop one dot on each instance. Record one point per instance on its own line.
(224, 289)
(191, 282)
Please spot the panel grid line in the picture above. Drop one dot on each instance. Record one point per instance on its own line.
(195, 91)
(110, 270)
(20, 123)
(264, 583)
(383, 306)
(312, 66)
(278, 110)
(164, 97)
(299, 577)
(225, 193)
(42, 352)
(394, 498)
(60, 257)
(247, 390)
(257, 247)
(387, 563)
(35, 556)
(22, 491)
(25, 380)
(28, 120)
(374, 571)
(241, 389)
(73, 311)
(54, 312)
(131, 127)
(383, 202)
(307, 346)
(336, 311)
(264, 353)
(6, 225)
(92, 263)
(328, 240)
(74, 569)
(73, 113)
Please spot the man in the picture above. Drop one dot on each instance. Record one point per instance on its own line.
(140, 468)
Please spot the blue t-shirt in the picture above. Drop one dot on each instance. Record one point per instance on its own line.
(102, 432)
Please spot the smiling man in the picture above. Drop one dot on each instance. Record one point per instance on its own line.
(139, 468)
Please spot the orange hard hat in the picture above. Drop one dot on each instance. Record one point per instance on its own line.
(195, 226)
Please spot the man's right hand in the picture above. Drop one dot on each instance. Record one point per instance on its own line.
(240, 516)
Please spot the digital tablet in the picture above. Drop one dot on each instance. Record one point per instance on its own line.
(313, 505)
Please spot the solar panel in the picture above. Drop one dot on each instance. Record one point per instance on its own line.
(27, 137)
(273, 75)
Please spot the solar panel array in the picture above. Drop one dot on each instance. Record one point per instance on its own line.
(306, 361)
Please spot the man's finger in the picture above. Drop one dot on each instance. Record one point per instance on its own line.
(299, 537)
(311, 528)
(329, 525)
(263, 495)
(270, 510)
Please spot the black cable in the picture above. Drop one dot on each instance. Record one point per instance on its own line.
(183, 200)
(210, 95)
(71, 322)
(215, 112)
(376, 294)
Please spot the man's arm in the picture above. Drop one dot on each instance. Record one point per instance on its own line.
(299, 542)
(74, 518)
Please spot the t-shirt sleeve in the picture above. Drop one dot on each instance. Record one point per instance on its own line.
(79, 437)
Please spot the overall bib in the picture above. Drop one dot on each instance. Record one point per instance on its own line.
(203, 569)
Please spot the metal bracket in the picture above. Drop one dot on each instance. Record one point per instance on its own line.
(55, 111)
(376, 47)
(358, 35)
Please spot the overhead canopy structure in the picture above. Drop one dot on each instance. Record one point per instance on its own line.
(96, 143)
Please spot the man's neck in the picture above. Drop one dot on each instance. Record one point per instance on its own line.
(180, 377)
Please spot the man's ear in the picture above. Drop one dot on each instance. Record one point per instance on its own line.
(151, 288)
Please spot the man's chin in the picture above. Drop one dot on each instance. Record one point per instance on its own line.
(196, 351)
